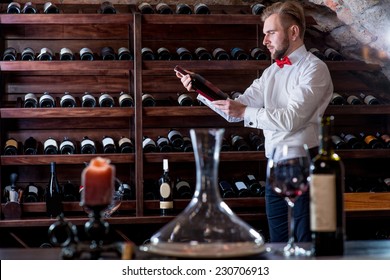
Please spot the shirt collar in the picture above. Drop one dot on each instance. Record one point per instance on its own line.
(297, 55)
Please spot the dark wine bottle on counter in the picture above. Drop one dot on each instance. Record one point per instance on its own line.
(165, 191)
(29, 8)
(175, 138)
(163, 8)
(253, 185)
(338, 143)
(202, 86)
(86, 54)
(87, 146)
(256, 141)
(239, 54)
(184, 99)
(45, 54)
(53, 194)
(11, 147)
(124, 54)
(187, 144)
(108, 145)
(258, 54)
(30, 100)
(50, 8)
(50, 146)
(107, 53)
(30, 146)
(327, 220)
(13, 8)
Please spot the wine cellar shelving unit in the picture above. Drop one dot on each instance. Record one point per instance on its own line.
(79, 26)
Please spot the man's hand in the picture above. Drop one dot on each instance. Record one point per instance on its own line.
(185, 80)
(230, 107)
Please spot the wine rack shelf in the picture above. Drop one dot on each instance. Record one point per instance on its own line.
(228, 26)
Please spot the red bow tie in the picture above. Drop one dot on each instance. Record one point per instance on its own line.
(283, 61)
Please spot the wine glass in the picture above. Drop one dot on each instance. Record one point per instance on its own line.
(288, 174)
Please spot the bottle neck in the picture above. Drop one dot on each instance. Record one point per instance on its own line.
(326, 132)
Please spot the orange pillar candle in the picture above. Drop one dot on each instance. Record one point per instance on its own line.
(98, 180)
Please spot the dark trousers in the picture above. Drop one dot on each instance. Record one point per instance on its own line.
(277, 214)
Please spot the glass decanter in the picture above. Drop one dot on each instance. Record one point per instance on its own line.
(207, 227)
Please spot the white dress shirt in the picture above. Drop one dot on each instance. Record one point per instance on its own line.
(286, 103)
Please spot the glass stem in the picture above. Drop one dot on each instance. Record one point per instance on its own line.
(291, 225)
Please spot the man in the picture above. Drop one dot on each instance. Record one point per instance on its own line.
(285, 102)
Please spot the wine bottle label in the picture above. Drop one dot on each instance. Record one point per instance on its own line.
(369, 99)
(240, 185)
(86, 54)
(352, 99)
(31, 96)
(182, 184)
(11, 142)
(251, 177)
(124, 140)
(87, 142)
(368, 139)
(107, 141)
(69, 98)
(148, 141)
(105, 97)
(66, 143)
(32, 189)
(166, 204)
(323, 203)
(28, 54)
(124, 96)
(50, 142)
(165, 190)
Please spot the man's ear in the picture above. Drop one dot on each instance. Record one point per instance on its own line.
(294, 32)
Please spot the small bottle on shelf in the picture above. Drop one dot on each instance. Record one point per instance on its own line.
(53, 195)
(10, 54)
(106, 100)
(30, 146)
(125, 100)
(145, 8)
(30, 100)
(50, 146)
(163, 8)
(175, 138)
(125, 145)
(163, 54)
(45, 54)
(67, 100)
(371, 141)
(241, 189)
(88, 100)
(239, 54)
(107, 53)
(185, 99)
(148, 100)
(184, 53)
(67, 147)
(87, 146)
(147, 54)
(203, 54)
(86, 54)
(32, 193)
(11, 147)
(148, 145)
(124, 54)
(354, 100)
(369, 99)
(47, 101)
(201, 9)
(327, 220)
(254, 185)
(28, 54)
(165, 191)
(183, 9)
(66, 54)
(163, 144)
(108, 145)
(220, 54)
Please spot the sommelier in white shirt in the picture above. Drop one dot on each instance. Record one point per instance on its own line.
(285, 102)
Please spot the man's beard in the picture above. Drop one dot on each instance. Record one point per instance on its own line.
(279, 54)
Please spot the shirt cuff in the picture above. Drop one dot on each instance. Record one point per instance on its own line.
(250, 117)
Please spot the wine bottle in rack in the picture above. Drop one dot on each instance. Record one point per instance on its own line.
(148, 100)
(145, 8)
(108, 145)
(50, 146)
(47, 101)
(203, 54)
(187, 144)
(239, 54)
(13, 8)
(29, 8)
(86, 54)
(201, 9)
(45, 54)
(66, 54)
(124, 54)
(327, 220)
(241, 189)
(128, 191)
(225, 145)
(70, 192)
(220, 54)
(175, 138)
(30, 100)
(30, 146)
(163, 8)
(352, 141)
(333, 55)
(10, 54)
(337, 99)
(147, 54)
(11, 147)
(385, 138)
(67, 147)
(106, 100)
(338, 142)
(32, 193)
(163, 54)
(369, 99)
(107, 53)
(226, 190)
(125, 100)
(183, 9)
(258, 54)
(203, 86)
(253, 185)
(185, 99)
(184, 54)
(53, 195)
(165, 191)
(125, 145)
(88, 100)
(28, 54)
(87, 146)
(239, 143)
(182, 189)
(149, 145)
(67, 100)
(163, 144)
(50, 8)
(257, 8)
(371, 141)
(256, 141)
(354, 100)
(107, 8)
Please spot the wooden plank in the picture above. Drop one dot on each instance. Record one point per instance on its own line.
(366, 201)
